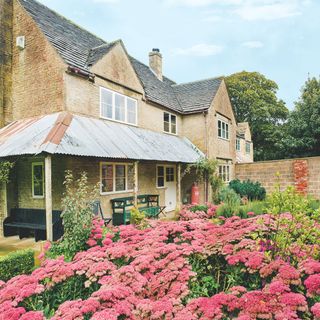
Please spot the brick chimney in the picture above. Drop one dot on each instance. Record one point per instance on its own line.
(155, 62)
(6, 36)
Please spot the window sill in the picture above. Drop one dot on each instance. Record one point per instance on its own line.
(172, 134)
(224, 139)
(37, 197)
(161, 187)
(118, 121)
(114, 192)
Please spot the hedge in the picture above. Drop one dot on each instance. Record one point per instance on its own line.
(15, 263)
(251, 190)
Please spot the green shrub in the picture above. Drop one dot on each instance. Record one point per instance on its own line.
(300, 227)
(137, 217)
(230, 202)
(251, 190)
(258, 207)
(15, 263)
(77, 204)
(199, 207)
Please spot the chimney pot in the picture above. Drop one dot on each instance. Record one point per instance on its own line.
(155, 62)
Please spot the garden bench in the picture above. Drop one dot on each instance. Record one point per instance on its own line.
(147, 203)
(24, 222)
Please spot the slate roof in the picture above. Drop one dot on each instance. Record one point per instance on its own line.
(197, 95)
(158, 91)
(82, 49)
(95, 54)
(72, 42)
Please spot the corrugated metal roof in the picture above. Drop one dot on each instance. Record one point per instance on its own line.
(85, 136)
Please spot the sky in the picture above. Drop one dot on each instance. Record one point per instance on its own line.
(207, 38)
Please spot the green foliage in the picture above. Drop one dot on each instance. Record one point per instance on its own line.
(254, 99)
(251, 190)
(71, 289)
(300, 226)
(206, 171)
(77, 204)
(302, 136)
(230, 202)
(258, 207)
(137, 217)
(204, 168)
(215, 275)
(199, 207)
(5, 167)
(15, 263)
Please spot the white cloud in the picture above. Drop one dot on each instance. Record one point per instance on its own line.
(201, 50)
(249, 9)
(272, 11)
(253, 44)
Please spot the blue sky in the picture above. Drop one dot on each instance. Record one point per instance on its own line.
(206, 38)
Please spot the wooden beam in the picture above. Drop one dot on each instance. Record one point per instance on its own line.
(135, 187)
(48, 187)
(179, 186)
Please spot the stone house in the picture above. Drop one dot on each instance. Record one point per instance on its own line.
(244, 145)
(70, 100)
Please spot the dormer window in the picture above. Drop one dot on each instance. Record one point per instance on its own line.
(118, 107)
(169, 123)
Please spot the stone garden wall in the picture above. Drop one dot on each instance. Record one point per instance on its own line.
(303, 173)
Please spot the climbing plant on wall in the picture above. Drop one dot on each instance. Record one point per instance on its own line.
(5, 167)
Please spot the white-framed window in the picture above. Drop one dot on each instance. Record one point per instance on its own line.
(116, 177)
(223, 129)
(224, 172)
(169, 123)
(238, 145)
(38, 180)
(165, 174)
(248, 147)
(118, 107)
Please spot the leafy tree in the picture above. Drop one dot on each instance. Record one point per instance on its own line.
(254, 99)
(302, 136)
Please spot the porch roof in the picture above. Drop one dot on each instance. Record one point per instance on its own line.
(70, 134)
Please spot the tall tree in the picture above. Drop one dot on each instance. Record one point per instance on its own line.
(303, 127)
(254, 99)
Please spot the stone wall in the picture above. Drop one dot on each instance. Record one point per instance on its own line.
(6, 14)
(302, 173)
(38, 72)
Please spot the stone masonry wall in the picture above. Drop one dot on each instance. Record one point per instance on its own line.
(303, 174)
(6, 13)
(38, 71)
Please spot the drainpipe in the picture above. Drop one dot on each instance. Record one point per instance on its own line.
(206, 184)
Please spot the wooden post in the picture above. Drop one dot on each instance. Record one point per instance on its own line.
(5, 199)
(4, 206)
(135, 187)
(179, 187)
(48, 187)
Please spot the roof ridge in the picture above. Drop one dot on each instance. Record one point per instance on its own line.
(195, 81)
(149, 68)
(59, 128)
(106, 44)
(64, 18)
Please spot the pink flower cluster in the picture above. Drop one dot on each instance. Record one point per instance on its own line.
(146, 274)
(186, 214)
